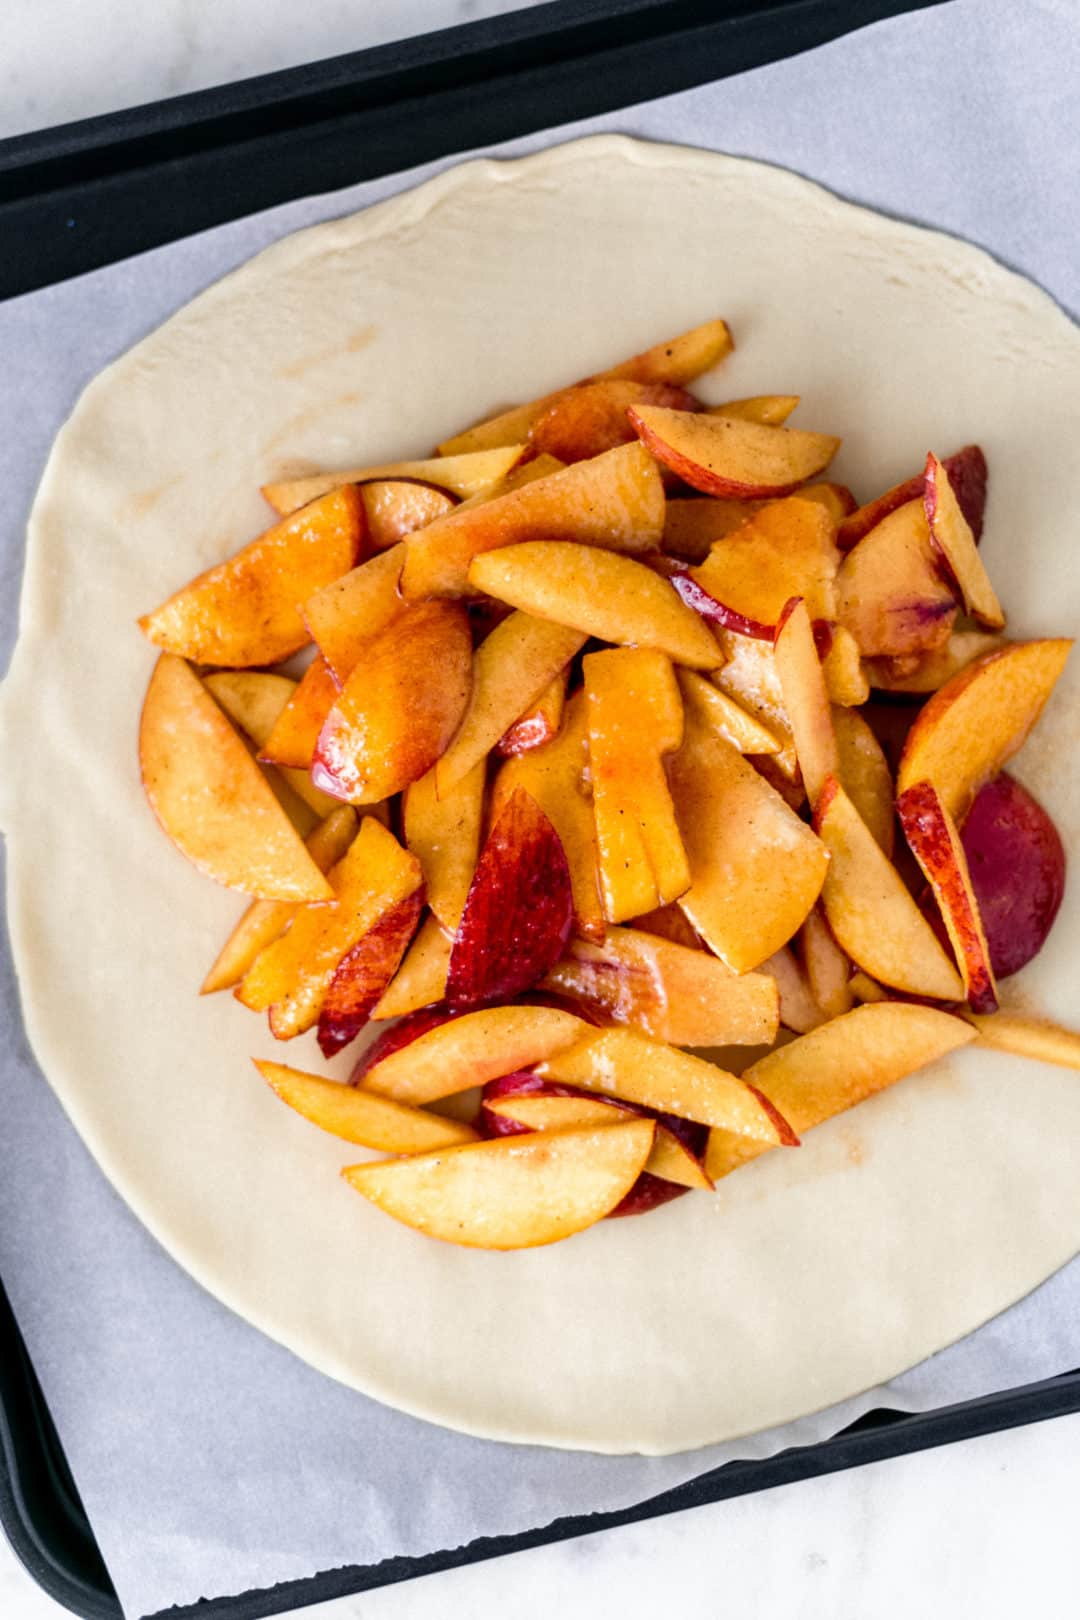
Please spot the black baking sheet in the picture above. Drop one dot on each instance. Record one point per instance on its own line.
(88, 194)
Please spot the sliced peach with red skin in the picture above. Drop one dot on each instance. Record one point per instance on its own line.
(266, 920)
(840, 1064)
(539, 724)
(670, 1159)
(934, 839)
(463, 475)
(785, 550)
(952, 536)
(1017, 865)
(600, 593)
(420, 981)
(624, 1064)
(345, 615)
(291, 977)
(968, 475)
(211, 798)
(802, 682)
(291, 743)
(614, 500)
(512, 667)
(516, 1192)
(444, 835)
(685, 997)
(555, 776)
(589, 419)
(634, 718)
(978, 720)
(518, 912)
(870, 912)
(397, 507)
(400, 707)
(364, 972)
(465, 1051)
(755, 868)
(247, 610)
(721, 455)
(890, 595)
(360, 1116)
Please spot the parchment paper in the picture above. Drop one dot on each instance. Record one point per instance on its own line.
(209, 1459)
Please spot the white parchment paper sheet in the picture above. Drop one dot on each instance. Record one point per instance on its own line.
(210, 1460)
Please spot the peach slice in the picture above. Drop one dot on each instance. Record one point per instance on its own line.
(400, 707)
(730, 721)
(512, 667)
(420, 981)
(1028, 1037)
(396, 508)
(748, 675)
(634, 719)
(598, 593)
(623, 1064)
(828, 971)
(291, 977)
(463, 475)
(470, 1049)
(247, 610)
(871, 914)
(1017, 863)
(256, 701)
(210, 797)
(785, 550)
(589, 419)
(755, 868)
(670, 1159)
(687, 997)
(364, 973)
(555, 776)
(890, 595)
(291, 742)
(266, 920)
(539, 724)
(865, 776)
(345, 615)
(361, 1116)
(968, 475)
(771, 409)
(952, 536)
(845, 672)
(614, 500)
(864, 988)
(806, 699)
(517, 1192)
(444, 835)
(978, 720)
(934, 840)
(721, 455)
(518, 912)
(693, 526)
(842, 1063)
(678, 361)
(798, 1008)
(930, 670)
(668, 922)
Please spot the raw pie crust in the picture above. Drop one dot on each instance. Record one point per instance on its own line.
(812, 1274)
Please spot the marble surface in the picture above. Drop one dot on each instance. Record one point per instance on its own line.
(982, 1528)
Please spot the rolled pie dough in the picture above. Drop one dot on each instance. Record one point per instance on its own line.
(812, 1274)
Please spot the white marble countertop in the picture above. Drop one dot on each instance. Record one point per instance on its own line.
(984, 1528)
